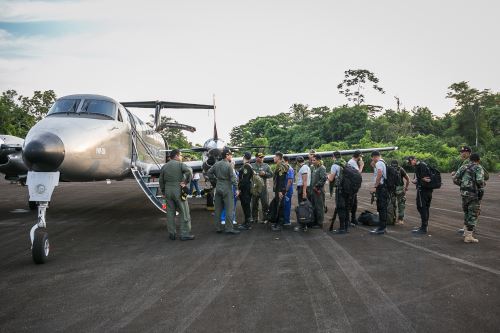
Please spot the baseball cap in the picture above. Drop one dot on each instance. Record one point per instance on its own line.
(465, 149)
(300, 159)
(375, 153)
(259, 155)
(247, 155)
(357, 153)
(410, 158)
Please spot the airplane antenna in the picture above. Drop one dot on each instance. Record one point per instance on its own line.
(216, 137)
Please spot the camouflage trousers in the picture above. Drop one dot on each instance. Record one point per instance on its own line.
(396, 205)
(471, 207)
(401, 202)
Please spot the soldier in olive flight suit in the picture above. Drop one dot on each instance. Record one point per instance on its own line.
(264, 171)
(317, 190)
(175, 175)
(222, 174)
(471, 179)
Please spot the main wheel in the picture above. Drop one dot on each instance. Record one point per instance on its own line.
(41, 246)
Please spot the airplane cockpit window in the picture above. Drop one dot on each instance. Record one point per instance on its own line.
(64, 106)
(95, 106)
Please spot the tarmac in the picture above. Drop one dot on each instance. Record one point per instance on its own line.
(112, 268)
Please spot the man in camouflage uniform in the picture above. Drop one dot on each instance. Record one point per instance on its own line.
(317, 191)
(398, 201)
(279, 189)
(222, 174)
(175, 175)
(471, 179)
(264, 171)
(465, 152)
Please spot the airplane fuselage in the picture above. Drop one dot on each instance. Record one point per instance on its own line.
(86, 143)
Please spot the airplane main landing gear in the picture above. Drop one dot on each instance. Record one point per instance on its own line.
(40, 247)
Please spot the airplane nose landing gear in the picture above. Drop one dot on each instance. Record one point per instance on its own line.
(39, 237)
(41, 185)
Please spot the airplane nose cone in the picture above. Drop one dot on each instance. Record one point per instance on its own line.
(44, 153)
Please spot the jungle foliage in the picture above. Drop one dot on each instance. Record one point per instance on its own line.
(416, 132)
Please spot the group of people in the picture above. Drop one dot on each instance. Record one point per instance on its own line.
(311, 178)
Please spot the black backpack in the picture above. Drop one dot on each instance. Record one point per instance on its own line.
(393, 177)
(305, 212)
(351, 180)
(435, 176)
(368, 218)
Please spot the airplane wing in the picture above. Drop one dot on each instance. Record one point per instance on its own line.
(197, 166)
(238, 161)
(165, 105)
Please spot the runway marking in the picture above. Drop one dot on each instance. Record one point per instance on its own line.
(322, 295)
(376, 300)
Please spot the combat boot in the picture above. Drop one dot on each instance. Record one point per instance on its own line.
(469, 238)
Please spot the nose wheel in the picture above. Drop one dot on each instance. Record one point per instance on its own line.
(41, 246)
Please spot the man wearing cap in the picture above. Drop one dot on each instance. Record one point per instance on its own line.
(290, 177)
(465, 152)
(317, 191)
(357, 163)
(303, 180)
(424, 194)
(223, 175)
(471, 179)
(174, 176)
(379, 188)
(343, 200)
(245, 186)
(279, 189)
(264, 171)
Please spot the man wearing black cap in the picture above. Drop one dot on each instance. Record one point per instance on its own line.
(245, 185)
(379, 177)
(222, 174)
(424, 194)
(264, 171)
(174, 176)
(357, 163)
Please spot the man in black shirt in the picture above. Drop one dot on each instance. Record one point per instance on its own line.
(245, 186)
(424, 195)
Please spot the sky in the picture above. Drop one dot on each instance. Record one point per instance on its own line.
(258, 57)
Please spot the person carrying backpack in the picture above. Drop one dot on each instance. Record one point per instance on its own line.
(471, 179)
(379, 187)
(343, 197)
(357, 163)
(400, 193)
(424, 193)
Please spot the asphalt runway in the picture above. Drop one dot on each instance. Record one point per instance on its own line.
(112, 268)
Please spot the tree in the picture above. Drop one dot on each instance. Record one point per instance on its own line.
(18, 113)
(354, 83)
(469, 103)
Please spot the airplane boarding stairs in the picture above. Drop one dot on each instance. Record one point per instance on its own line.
(150, 189)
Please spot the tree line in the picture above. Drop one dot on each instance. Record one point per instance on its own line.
(474, 121)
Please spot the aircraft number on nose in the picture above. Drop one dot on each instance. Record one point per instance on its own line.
(100, 151)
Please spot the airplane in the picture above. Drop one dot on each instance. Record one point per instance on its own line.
(11, 158)
(88, 137)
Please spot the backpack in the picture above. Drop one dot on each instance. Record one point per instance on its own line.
(368, 218)
(435, 176)
(273, 211)
(393, 177)
(257, 185)
(305, 212)
(351, 180)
